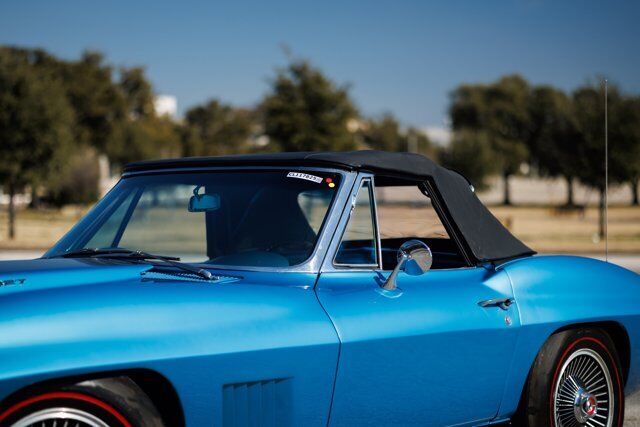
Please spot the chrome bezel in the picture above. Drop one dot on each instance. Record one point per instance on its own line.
(560, 399)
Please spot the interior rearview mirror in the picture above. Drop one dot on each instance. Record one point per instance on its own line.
(414, 258)
(203, 202)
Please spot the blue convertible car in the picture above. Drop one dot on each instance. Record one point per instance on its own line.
(310, 289)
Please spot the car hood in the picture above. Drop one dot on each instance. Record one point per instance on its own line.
(75, 315)
(43, 273)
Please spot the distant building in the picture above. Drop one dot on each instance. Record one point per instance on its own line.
(441, 135)
(166, 105)
(106, 178)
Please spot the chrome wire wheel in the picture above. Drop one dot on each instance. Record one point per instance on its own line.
(60, 417)
(583, 392)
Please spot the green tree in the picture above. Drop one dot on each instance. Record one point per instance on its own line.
(589, 107)
(216, 129)
(418, 142)
(143, 134)
(306, 111)
(501, 111)
(36, 125)
(385, 134)
(117, 117)
(78, 182)
(145, 138)
(554, 135)
(470, 153)
(138, 92)
(99, 104)
(626, 131)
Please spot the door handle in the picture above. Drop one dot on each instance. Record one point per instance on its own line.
(503, 303)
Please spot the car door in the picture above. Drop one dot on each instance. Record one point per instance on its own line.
(424, 354)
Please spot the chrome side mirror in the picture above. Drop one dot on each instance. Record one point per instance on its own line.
(414, 258)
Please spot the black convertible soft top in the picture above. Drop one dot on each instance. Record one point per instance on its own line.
(486, 238)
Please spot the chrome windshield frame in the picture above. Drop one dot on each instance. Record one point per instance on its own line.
(314, 262)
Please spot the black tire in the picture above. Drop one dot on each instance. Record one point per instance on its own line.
(567, 380)
(115, 402)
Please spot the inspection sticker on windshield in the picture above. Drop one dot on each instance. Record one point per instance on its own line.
(306, 176)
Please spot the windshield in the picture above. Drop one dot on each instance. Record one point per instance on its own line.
(235, 218)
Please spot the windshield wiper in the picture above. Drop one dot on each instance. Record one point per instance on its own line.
(173, 261)
(124, 254)
(91, 252)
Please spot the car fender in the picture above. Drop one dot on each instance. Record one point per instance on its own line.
(220, 345)
(556, 292)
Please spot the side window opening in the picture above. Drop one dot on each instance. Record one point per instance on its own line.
(358, 246)
(405, 213)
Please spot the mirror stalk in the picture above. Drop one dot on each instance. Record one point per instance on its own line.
(390, 284)
(414, 258)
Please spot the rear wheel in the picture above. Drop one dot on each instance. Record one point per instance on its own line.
(575, 381)
(113, 402)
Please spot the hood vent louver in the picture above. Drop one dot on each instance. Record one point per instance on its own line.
(164, 275)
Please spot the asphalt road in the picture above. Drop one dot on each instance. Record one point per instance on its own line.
(632, 262)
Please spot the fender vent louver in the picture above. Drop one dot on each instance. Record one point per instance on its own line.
(260, 403)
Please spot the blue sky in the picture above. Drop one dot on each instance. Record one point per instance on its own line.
(398, 56)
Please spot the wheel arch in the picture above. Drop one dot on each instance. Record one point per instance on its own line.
(618, 335)
(162, 393)
(615, 330)
(155, 385)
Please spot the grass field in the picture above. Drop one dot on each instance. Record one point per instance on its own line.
(543, 228)
(39, 229)
(548, 229)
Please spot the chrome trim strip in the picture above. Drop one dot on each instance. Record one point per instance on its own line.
(377, 223)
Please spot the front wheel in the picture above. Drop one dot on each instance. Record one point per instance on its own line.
(575, 381)
(111, 402)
